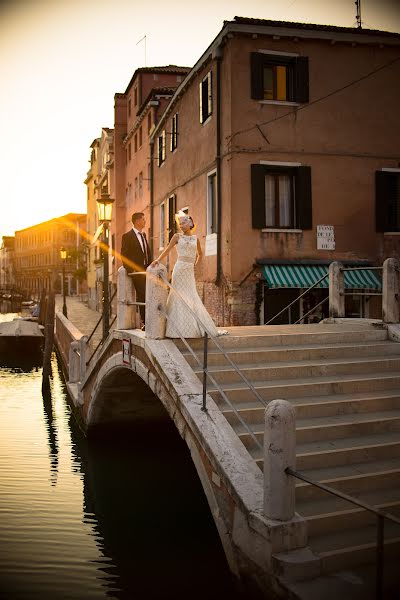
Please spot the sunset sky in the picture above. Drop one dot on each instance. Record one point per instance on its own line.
(62, 61)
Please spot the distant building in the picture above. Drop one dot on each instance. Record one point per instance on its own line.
(282, 143)
(98, 181)
(137, 112)
(38, 262)
(7, 263)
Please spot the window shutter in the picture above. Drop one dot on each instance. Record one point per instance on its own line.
(383, 199)
(301, 85)
(303, 197)
(209, 81)
(171, 216)
(257, 75)
(258, 196)
(201, 100)
(171, 140)
(159, 160)
(163, 145)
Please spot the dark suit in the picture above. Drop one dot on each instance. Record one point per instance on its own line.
(134, 261)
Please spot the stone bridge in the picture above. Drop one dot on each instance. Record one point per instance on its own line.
(144, 378)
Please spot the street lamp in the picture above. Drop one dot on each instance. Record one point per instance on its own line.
(104, 207)
(63, 255)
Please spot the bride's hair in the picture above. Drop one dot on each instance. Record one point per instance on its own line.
(182, 216)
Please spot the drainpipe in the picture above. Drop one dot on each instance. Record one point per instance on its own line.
(151, 175)
(218, 59)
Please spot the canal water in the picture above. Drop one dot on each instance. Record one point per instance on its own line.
(119, 516)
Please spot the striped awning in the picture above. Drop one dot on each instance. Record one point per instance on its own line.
(304, 276)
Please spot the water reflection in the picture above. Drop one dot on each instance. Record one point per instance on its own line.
(122, 515)
(52, 438)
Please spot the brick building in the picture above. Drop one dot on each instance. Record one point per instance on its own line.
(98, 181)
(137, 112)
(7, 263)
(38, 263)
(282, 142)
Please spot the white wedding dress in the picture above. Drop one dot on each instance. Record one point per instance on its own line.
(180, 321)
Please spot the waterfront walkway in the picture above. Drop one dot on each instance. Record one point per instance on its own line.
(83, 317)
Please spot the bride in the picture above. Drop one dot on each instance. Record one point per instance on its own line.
(180, 321)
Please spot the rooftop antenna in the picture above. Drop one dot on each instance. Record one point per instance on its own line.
(145, 48)
(358, 15)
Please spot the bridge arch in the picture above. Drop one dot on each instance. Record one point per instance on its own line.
(152, 408)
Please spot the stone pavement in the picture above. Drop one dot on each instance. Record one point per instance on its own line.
(83, 317)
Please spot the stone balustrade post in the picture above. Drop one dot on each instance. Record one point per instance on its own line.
(391, 291)
(336, 290)
(74, 363)
(126, 310)
(279, 453)
(156, 298)
(83, 352)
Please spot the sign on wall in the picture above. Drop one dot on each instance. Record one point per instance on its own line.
(325, 237)
(126, 352)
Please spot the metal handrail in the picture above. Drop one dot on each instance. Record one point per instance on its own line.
(380, 515)
(206, 374)
(100, 319)
(296, 299)
(311, 311)
(96, 326)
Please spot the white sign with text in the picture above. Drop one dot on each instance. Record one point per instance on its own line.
(325, 237)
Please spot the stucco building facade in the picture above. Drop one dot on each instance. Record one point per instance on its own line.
(38, 263)
(286, 154)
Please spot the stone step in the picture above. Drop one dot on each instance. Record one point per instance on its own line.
(343, 550)
(304, 369)
(306, 387)
(328, 503)
(324, 408)
(357, 450)
(351, 485)
(352, 518)
(265, 356)
(341, 426)
(282, 335)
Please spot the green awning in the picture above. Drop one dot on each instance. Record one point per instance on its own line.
(304, 276)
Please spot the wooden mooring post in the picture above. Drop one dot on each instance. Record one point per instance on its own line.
(48, 344)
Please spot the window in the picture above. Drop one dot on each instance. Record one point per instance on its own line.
(135, 142)
(140, 184)
(205, 97)
(162, 225)
(148, 122)
(129, 107)
(136, 188)
(212, 222)
(135, 96)
(174, 132)
(148, 175)
(140, 137)
(279, 77)
(161, 148)
(129, 151)
(281, 197)
(387, 200)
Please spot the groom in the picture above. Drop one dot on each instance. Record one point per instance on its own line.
(136, 257)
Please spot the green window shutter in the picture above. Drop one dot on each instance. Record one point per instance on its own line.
(209, 99)
(303, 197)
(258, 196)
(301, 85)
(257, 75)
(201, 100)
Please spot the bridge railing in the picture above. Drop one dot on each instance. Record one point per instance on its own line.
(156, 316)
(279, 469)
